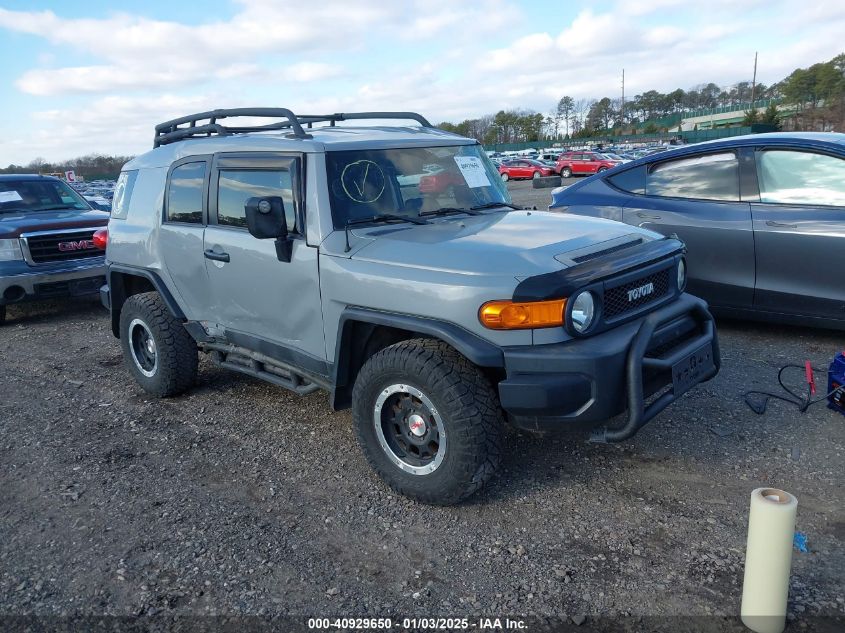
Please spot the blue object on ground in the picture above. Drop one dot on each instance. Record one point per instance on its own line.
(799, 542)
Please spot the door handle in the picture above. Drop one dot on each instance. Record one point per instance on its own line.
(218, 257)
(646, 216)
(783, 225)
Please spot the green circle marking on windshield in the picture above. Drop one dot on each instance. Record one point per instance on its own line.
(363, 181)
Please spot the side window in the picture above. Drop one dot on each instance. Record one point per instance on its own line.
(236, 186)
(630, 180)
(185, 196)
(710, 177)
(123, 194)
(794, 177)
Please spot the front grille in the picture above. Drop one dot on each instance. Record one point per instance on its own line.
(617, 300)
(59, 247)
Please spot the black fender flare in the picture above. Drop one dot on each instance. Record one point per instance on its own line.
(477, 350)
(116, 275)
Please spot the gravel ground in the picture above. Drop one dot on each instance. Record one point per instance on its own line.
(242, 498)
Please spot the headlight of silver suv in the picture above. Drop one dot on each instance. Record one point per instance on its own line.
(682, 275)
(583, 311)
(10, 250)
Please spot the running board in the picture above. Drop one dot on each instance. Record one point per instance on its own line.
(259, 366)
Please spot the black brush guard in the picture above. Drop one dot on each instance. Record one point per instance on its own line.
(638, 359)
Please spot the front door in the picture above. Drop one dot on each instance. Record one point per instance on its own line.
(799, 229)
(591, 163)
(580, 164)
(260, 300)
(697, 198)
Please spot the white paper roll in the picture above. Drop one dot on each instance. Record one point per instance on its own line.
(768, 559)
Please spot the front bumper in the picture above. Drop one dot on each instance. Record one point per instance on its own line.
(23, 283)
(584, 382)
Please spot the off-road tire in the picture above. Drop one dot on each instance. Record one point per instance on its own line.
(468, 407)
(566, 172)
(546, 182)
(175, 369)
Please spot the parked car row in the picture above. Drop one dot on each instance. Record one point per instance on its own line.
(98, 193)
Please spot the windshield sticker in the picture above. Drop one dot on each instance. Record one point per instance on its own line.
(363, 181)
(9, 196)
(473, 171)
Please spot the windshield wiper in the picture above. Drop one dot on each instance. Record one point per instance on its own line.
(448, 210)
(493, 205)
(384, 217)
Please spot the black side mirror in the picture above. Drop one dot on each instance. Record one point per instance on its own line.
(265, 219)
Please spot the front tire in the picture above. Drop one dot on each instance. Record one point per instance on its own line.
(157, 349)
(505, 177)
(536, 175)
(428, 421)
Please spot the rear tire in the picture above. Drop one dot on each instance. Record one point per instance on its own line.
(428, 421)
(157, 349)
(2, 315)
(566, 172)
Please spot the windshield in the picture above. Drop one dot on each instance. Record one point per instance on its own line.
(30, 195)
(410, 181)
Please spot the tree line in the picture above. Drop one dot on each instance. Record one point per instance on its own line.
(91, 166)
(817, 95)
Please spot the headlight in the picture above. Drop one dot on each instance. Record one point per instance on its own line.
(583, 311)
(682, 275)
(10, 250)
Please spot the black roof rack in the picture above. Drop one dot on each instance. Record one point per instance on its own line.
(191, 125)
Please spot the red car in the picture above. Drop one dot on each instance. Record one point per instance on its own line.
(581, 164)
(524, 168)
(440, 182)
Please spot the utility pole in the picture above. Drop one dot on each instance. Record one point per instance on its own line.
(622, 107)
(754, 80)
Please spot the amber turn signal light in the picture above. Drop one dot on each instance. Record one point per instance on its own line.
(507, 315)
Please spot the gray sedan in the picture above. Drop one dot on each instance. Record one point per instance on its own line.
(763, 218)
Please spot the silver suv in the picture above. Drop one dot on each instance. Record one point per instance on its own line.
(388, 267)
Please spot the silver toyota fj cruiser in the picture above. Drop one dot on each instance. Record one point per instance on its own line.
(387, 266)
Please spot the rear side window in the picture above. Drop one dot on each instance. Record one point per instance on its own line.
(630, 180)
(793, 177)
(710, 177)
(236, 186)
(185, 195)
(123, 193)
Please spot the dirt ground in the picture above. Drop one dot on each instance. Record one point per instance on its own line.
(242, 498)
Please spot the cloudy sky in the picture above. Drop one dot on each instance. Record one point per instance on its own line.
(88, 76)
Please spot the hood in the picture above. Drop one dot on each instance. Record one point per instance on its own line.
(13, 223)
(517, 243)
